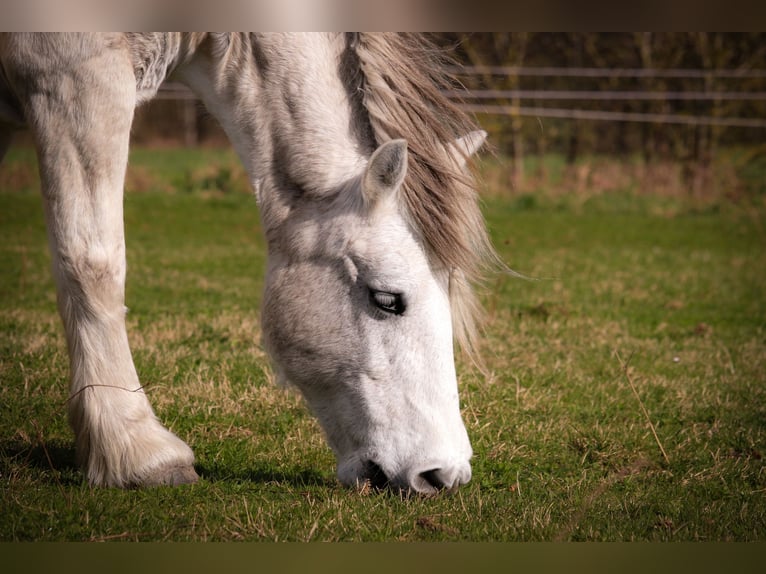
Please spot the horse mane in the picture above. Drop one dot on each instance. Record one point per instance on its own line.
(401, 78)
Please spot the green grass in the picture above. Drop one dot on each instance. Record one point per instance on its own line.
(643, 333)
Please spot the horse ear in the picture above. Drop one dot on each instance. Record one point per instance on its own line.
(463, 148)
(385, 170)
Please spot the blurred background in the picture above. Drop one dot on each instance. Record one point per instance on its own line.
(670, 113)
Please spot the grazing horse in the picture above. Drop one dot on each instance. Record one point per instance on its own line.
(375, 237)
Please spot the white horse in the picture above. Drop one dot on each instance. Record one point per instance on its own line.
(374, 234)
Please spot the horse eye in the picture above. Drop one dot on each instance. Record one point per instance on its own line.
(388, 302)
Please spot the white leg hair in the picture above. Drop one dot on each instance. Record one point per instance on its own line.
(82, 137)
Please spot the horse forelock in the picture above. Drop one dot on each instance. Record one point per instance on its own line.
(401, 78)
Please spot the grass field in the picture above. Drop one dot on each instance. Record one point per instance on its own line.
(625, 397)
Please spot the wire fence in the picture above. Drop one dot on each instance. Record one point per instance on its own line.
(606, 72)
(577, 114)
(608, 95)
(508, 102)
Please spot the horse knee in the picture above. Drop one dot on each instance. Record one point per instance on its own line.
(91, 278)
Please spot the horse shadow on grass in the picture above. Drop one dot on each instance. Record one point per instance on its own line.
(263, 474)
(56, 462)
(52, 461)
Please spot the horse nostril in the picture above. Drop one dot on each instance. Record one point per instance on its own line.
(427, 482)
(375, 475)
(433, 478)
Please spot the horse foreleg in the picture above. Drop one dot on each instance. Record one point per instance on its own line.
(80, 112)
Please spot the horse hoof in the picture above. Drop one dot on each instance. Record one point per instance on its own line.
(174, 476)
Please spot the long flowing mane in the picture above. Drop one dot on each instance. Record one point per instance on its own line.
(401, 78)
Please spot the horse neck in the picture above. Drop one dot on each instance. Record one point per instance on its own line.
(284, 105)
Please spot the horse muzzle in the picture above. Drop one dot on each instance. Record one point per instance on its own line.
(426, 479)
